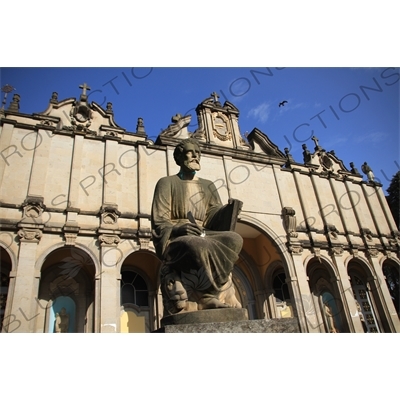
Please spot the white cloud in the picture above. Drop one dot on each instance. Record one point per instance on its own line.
(373, 137)
(261, 112)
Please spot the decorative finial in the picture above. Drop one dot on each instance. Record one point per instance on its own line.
(6, 89)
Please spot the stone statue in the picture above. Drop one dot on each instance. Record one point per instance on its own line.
(329, 317)
(62, 321)
(368, 171)
(354, 170)
(306, 154)
(192, 237)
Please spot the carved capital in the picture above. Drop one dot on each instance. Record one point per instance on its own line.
(373, 252)
(295, 248)
(336, 251)
(109, 240)
(29, 235)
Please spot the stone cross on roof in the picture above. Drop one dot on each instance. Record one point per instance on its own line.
(315, 140)
(215, 96)
(84, 87)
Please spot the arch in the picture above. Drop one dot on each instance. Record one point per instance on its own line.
(146, 264)
(6, 248)
(365, 286)
(6, 266)
(278, 307)
(61, 245)
(67, 272)
(273, 237)
(327, 295)
(391, 272)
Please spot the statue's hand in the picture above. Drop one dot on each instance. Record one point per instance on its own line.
(188, 229)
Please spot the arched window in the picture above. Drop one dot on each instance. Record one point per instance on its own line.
(135, 309)
(133, 289)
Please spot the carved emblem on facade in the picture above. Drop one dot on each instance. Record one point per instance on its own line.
(33, 207)
(109, 215)
(221, 127)
(289, 220)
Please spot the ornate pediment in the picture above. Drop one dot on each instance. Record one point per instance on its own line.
(260, 143)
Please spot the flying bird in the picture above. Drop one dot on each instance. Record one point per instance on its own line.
(282, 103)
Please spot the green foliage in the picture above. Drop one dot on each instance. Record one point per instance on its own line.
(394, 198)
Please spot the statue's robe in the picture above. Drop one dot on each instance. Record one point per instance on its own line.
(209, 259)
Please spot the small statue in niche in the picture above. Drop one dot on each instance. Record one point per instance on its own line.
(62, 321)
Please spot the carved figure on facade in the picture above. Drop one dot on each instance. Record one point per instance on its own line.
(306, 154)
(353, 169)
(193, 234)
(368, 171)
(289, 157)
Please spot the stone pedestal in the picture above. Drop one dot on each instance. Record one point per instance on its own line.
(225, 320)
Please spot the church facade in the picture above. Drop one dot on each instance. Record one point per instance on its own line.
(320, 243)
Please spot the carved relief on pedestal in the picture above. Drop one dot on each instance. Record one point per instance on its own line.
(289, 220)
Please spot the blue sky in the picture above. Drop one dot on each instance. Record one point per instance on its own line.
(354, 111)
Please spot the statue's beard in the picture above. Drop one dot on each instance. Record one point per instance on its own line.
(193, 165)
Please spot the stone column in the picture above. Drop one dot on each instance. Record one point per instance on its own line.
(109, 299)
(302, 296)
(23, 306)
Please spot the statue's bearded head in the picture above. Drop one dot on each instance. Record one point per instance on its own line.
(187, 155)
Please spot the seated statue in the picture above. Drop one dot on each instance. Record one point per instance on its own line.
(193, 236)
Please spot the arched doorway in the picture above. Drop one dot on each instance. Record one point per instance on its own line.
(326, 295)
(67, 292)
